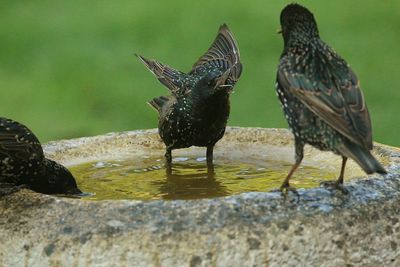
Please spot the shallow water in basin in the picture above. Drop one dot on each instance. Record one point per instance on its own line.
(147, 179)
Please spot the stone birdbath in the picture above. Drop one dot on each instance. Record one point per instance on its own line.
(317, 227)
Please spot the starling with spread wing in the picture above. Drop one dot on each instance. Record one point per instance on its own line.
(321, 96)
(196, 112)
(22, 162)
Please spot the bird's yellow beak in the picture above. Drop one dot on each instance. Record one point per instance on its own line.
(222, 80)
(279, 31)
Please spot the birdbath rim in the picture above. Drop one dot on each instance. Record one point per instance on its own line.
(147, 142)
(255, 227)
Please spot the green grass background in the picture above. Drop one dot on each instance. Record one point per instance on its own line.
(67, 68)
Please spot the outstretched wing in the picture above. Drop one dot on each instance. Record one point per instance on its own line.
(17, 141)
(171, 78)
(330, 89)
(223, 54)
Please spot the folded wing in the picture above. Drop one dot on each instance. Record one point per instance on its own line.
(17, 141)
(331, 91)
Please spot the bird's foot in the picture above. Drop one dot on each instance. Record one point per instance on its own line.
(335, 185)
(285, 189)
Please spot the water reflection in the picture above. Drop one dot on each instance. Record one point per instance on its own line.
(200, 182)
(146, 178)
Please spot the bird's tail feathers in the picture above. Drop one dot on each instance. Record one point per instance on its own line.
(362, 156)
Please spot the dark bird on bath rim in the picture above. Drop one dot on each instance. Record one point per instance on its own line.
(22, 162)
(196, 112)
(321, 96)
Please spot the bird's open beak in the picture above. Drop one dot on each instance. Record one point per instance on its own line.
(279, 31)
(227, 87)
(221, 82)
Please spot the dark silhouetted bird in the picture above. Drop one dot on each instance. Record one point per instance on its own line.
(321, 96)
(22, 162)
(196, 112)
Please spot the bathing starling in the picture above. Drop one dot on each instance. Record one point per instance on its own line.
(196, 112)
(22, 162)
(321, 96)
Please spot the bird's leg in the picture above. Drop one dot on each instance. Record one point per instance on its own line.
(299, 147)
(209, 155)
(168, 170)
(210, 172)
(341, 176)
(285, 183)
(168, 161)
(210, 169)
(338, 184)
(168, 156)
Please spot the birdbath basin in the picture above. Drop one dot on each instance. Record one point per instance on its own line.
(234, 225)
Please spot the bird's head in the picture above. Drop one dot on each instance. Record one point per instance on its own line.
(56, 180)
(297, 22)
(212, 83)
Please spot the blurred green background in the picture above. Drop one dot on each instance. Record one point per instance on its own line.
(67, 68)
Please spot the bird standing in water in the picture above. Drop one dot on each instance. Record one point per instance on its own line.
(196, 112)
(22, 162)
(321, 96)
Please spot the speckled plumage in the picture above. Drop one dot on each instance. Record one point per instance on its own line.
(321, 96)
(22, 162)
(196, 112)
